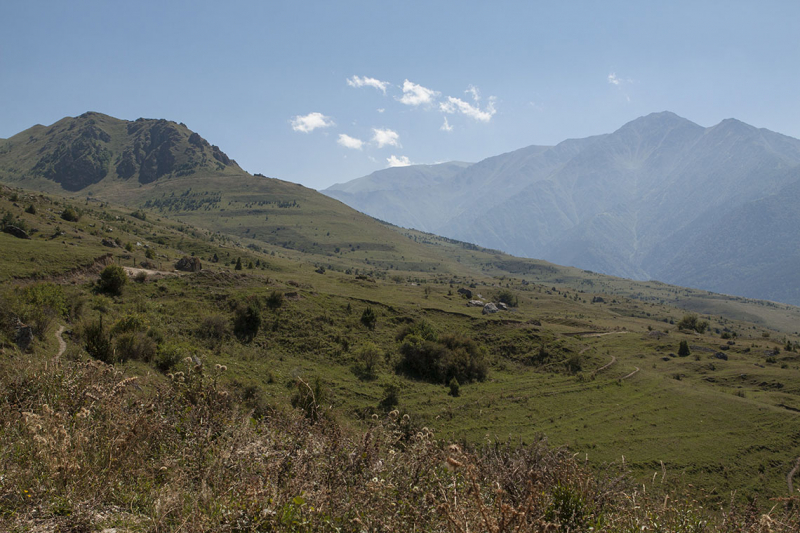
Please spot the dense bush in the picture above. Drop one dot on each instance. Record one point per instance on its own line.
(693, 323)
(368, 318)
(507, 297)
(452, 356)
(70, 214)
(40, 304)
(247, 321)
(97, 341)
(112, 279)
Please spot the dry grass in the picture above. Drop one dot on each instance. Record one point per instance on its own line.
(83, 447)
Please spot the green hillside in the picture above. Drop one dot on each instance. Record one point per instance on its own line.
(592, 370)
(380, 316)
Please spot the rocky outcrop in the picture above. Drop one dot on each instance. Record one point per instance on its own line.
(16, 232)
(466, 293)
(489, 309)
(475, 303)
(189, 264)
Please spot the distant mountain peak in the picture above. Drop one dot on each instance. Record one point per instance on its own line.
(78, 152)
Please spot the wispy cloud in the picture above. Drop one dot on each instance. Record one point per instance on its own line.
(415, 95)
(357, 82)
(381, 110)
(350, 142)
(476, 94)
(385, 137)
(446, 126)
(401, 161)
(453, 105)
(618, 82)
(310, 122)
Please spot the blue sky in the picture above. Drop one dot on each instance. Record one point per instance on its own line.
(268, 81)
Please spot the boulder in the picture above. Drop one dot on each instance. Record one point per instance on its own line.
(501, 306)
(189, 264)
(16, 232)
(489, 309)
(108, 242)
(475, 303)
(466, 293)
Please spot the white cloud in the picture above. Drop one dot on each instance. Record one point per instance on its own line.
(381, 110)
(454, 105)
(401, 161)
(446, 126)
(356, 81)
(613, 79)
(350, 142)
(415, 95)
(476, 94)
(385, 137)
(310, 122)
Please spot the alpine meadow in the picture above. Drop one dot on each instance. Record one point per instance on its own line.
(369, 267)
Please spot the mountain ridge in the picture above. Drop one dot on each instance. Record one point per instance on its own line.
(622, 203)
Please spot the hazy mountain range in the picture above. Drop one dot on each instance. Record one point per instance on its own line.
(661, 198)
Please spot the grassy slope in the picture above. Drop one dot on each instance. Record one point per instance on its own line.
(721, 425)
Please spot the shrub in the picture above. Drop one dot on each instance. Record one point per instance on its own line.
(507, 297)
(368, 357)
(31, 209)
(574, 364)
(420, 328)
(391, 395)
(131, 323)
(368, 318)
(136, 346)
(214, 328)
(140, 277)
(455, 388)
(439, 362)
(97, 342)
(167, 356)
(70, 214)
(692, 322)
(275, 300)
(247, 322)
(683, 349)
(112, 279)
(310, 398)
(40, 305)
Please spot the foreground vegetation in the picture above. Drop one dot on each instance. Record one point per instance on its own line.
(234, 397)
(83, 447)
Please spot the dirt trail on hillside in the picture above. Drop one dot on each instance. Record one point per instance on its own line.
(631, 374)
(604, 334)
(62, 345)
(152, 274)
(613, 360)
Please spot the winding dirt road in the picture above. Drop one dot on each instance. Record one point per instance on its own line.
(62, 345)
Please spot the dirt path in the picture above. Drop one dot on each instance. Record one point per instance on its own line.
(631, 374)
(613, 360)
(151, 274)
(62, 346)
(790, 475)
(603, 334)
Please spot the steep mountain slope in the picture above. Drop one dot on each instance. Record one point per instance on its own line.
(94, 152)
(624, 203)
